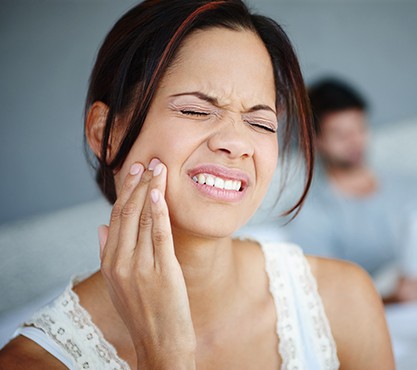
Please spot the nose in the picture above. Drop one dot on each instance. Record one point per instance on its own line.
(357, 138)
(233, 139)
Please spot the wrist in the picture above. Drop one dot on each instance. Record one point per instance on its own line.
(171, 364)
(183, 363)
(163, 359)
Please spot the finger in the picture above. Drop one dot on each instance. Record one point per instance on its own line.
(161, 231)
(131, 214)
(145, 248)
(130, 218)
(132, 179)
(103, 232)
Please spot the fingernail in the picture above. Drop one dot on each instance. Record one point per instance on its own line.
(155, 195)
(135, 169)
(153, 163)
(158, 169)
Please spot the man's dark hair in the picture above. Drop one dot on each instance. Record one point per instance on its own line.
(331, 95)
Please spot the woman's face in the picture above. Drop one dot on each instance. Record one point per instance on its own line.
(212, 123)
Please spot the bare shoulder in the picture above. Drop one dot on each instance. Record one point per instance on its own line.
(355, 313)
(22, 353)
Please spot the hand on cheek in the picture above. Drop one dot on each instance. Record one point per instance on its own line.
(139, 265)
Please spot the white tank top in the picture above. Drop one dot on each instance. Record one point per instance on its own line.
(65, 329)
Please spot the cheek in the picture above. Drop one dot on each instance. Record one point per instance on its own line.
(267, 160)
(150, 145)
(142, 151)
(165, 139)
(331, 145)
(161, 144)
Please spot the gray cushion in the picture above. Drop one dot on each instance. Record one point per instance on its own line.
(41, 253)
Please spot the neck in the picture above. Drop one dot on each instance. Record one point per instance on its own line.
(356, 180)
(210, 274)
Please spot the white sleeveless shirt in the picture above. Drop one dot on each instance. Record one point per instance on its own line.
(65, 329)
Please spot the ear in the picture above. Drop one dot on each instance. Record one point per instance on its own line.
(94, 127)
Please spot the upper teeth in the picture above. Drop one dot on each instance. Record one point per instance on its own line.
(217, 182)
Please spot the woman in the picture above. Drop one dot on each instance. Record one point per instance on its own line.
(182, 116)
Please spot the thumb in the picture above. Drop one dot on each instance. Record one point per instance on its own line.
(103, 232)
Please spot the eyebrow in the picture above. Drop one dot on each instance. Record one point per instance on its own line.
(214, 101)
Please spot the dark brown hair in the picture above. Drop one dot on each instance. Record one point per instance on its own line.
(143, 44)
(331, 95)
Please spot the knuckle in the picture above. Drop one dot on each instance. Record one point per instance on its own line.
(145, 220)
(116, 211)
(129, 209)
(160, 237)
(120, 272)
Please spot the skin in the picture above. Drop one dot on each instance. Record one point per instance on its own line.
(342, 144)
(343, 138)
(162, 258)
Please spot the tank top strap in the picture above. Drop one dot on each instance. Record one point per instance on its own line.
(305, 338)
(70, 326)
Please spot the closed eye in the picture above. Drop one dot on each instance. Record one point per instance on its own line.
(194, 113)
(258, 126)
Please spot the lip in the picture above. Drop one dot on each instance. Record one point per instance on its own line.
(225, 173)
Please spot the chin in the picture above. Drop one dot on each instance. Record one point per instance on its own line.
(208, 219)
(208, 225)
(208, 228)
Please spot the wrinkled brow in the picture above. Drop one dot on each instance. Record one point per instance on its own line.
(214, 101)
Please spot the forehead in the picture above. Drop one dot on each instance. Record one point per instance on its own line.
(227, 64)
(349, 119)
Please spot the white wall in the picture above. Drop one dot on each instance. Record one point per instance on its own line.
(47, 48)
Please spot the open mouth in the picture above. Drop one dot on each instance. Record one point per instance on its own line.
(218, 182)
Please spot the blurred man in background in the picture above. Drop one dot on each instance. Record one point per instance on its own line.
(353, 212)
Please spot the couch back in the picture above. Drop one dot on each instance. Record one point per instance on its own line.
(41, 253)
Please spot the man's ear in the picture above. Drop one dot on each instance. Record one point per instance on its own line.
(94, 127)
